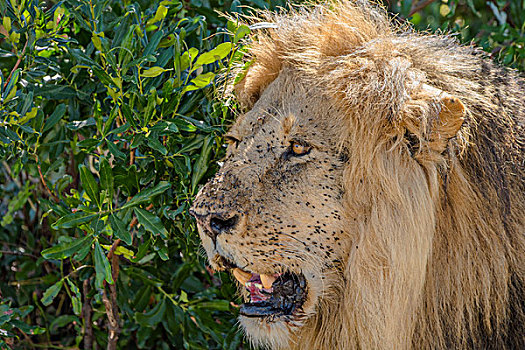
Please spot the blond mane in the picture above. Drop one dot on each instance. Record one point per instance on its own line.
(440, 262)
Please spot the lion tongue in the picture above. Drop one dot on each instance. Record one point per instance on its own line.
(256, 292)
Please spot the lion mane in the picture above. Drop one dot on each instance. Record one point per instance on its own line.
(439, 263)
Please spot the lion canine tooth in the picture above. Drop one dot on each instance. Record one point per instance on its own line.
(267, 280)
(241, 276)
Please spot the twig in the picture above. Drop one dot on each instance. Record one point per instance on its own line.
(44, 181)
(131, 157)
(420, 6)
(86, 314)
(8, 252)
(111, 305)
(114, 328)
(16, 64)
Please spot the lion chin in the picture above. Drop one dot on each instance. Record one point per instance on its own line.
(276, 306)
(373, 191)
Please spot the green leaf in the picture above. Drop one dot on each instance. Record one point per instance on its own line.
(142, 298)
(148, 194)
(65, 250)
(104, 77)
(6, 94)
(106, 177)
(75, 298)
(102, 267)
(200, 81)
(240, 33)
(163, 253)
(153, 43)
(125, 252)
(55, 117)
(62, 321)
(96, 42)
(188, 57)
(120, 230)
(73, 220)
(180, 275)
(88, 143)
(220, 305)
(152, 317)
(26, 105)
(89, 183)
(153, 72)
(26, 328)
(218, 53)
(114, 150)
(473, 8)
(145, 276)
(83, 252)
(160, 14)
(51, 293)
(201, 165)
(151, 223)
(233, 339)
(143, 249)
(156, 145)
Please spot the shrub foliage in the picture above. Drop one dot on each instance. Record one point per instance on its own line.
(108, 126)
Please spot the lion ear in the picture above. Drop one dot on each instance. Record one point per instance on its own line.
(451, 118)
(434, 117)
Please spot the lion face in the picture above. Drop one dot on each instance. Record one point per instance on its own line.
(372, 196)
(273, 214)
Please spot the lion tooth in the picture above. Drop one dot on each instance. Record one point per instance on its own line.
(253, 284)
(241, 276)
(267, 280)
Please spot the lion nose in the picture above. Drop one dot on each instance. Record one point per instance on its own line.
(220, 225)
(215, 224)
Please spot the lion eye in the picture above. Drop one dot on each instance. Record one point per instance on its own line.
(300, 149)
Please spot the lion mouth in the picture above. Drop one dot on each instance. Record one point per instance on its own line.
(271, 296)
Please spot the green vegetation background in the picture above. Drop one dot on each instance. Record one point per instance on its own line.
(108, 126)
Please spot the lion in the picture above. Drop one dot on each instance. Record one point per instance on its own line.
(373, 193)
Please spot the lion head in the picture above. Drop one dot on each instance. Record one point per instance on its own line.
(372, 195)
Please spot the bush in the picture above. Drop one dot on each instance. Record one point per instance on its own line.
(108, 126)
(498, 26)
(106, 133)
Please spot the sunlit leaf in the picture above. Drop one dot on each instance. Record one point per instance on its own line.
(153, 72)
(218, 53)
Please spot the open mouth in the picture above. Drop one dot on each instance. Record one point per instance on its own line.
(280, 294)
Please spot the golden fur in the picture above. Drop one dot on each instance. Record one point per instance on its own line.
(424, 169)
